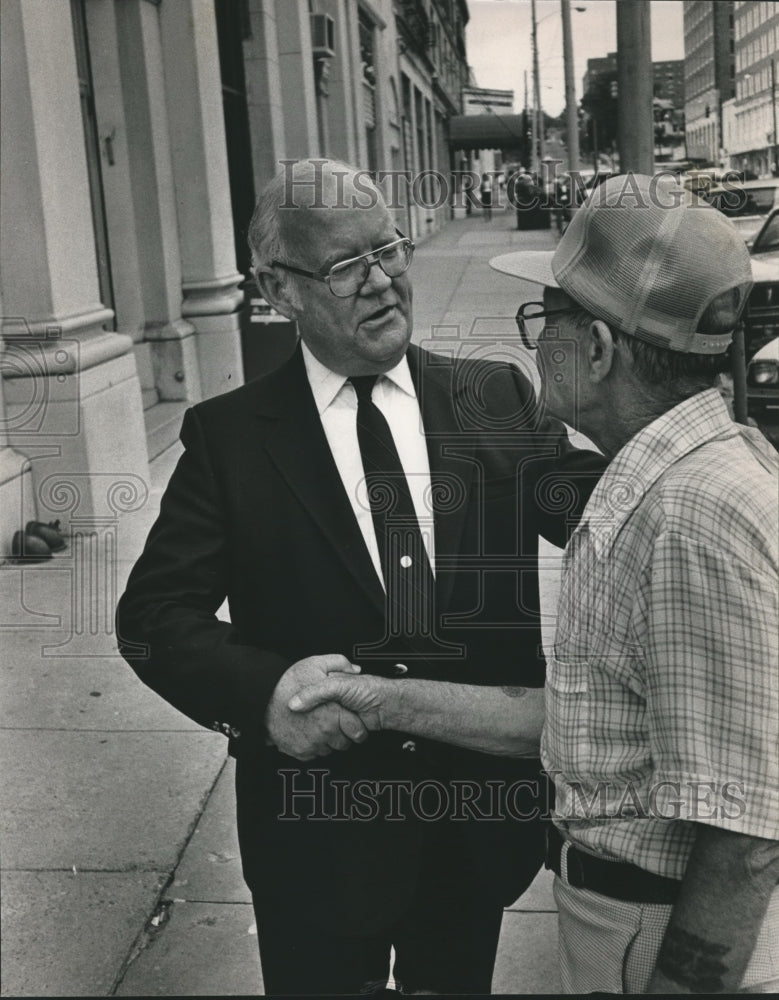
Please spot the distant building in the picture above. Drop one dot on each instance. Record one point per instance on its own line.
(668, 99)
(750, 118)
(598, 67)
(667, 76)
(668, 81)
(709, 75)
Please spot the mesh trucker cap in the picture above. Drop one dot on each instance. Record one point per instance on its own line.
(647, 257)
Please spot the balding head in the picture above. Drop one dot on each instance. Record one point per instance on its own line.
(316, 215)
(298, 203)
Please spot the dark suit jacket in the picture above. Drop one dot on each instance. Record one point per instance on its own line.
(256, 511)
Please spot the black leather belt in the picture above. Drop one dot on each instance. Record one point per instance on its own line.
(617, 879)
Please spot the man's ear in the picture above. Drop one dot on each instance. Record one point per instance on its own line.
(274, 291)
(600, 350)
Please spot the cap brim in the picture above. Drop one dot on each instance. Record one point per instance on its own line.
(530, 265)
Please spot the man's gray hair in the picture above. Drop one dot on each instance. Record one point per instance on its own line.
(673, 375)
(265, 240)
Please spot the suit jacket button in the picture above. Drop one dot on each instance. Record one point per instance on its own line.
(409, 745)
(217, 726)
(400, 670)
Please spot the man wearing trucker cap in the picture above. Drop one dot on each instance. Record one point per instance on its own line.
(662, 695)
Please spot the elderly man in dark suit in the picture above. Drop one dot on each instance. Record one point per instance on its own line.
(366, 506)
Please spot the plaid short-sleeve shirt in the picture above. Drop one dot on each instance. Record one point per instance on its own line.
(663, 692)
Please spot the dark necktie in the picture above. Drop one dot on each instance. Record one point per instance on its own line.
(408, 578)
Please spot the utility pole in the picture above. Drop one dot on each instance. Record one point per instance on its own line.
(538, 137)
(775, 164)
(529, 166)
(634, 84)
(571, 114)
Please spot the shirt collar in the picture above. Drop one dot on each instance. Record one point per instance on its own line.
(326, 384)
(644, 459)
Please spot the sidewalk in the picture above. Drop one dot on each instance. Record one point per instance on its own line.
(120, 872)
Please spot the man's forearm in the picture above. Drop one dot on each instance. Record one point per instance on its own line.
(497, 720)
(717, 918)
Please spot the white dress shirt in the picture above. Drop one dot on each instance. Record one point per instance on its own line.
(394, 394)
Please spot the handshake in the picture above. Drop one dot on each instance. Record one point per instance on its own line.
(323, 703)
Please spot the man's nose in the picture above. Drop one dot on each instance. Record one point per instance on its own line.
(376, 280)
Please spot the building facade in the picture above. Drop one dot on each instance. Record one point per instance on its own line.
(750, 118)
(709, 75)
(667, 77)
(599, 67)
(432, 71)
(135, 135)
(668, 80)
(601, 98)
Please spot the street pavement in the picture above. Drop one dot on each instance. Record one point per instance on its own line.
(120, 872)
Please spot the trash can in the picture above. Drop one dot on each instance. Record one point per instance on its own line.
(527, 195)
(267, 338)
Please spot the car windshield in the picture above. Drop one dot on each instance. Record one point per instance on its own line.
(736, 202)
(769, 238)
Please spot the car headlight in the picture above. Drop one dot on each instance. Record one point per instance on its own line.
(764, 373)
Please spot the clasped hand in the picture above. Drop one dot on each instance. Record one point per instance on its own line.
(317, 707)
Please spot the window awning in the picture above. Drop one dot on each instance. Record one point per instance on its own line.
(493, 131)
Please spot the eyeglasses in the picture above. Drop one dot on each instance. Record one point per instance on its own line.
(531, 319)
(348, 276)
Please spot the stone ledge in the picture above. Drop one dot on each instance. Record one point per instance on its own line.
(30, 358)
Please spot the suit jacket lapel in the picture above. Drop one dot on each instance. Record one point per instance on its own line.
(450, 453)
(299, 449)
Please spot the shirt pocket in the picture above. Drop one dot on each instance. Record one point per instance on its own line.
(568, 676)
(566, 741)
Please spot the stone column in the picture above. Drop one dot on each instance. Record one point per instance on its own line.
(16, 493)
(296, 68)
(171, 349)
(72, 397)
(199, 158)
(263, 92)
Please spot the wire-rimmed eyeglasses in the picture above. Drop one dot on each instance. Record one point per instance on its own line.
(531, 319)
(348, 276)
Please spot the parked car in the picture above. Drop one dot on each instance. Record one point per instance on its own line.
(762, 315)
(700, 180)
(763, 380)
(747, 203)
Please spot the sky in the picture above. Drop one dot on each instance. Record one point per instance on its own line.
(498, 39)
